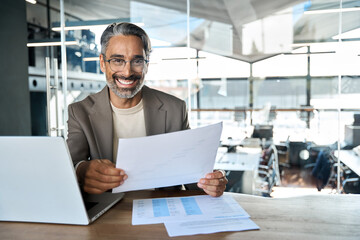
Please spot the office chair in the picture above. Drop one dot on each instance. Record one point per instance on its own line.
(268, 172)
(325, 167)
(314, 151)
(350, 180)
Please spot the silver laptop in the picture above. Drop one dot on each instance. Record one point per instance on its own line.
(38, 184)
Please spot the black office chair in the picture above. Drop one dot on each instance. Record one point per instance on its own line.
(324, 165)
(314, 151)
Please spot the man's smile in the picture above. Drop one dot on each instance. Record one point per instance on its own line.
(126, 82)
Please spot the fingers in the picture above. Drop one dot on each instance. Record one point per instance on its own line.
(214, 183)
(105, 167)
(215, 174)
(93, 186)
(214, 194)
(214, 191)
(101, 175)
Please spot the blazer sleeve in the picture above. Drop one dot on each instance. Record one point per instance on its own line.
(77, 142)
(185, 124)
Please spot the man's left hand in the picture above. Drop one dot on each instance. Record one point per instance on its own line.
(214, 183)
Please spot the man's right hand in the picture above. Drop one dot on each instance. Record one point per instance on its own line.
(99, 175)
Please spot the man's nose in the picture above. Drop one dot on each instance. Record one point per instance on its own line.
(127, 71)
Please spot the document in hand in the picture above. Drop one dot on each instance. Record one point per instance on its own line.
(168, 159)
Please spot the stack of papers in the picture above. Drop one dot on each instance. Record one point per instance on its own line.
(193, 215)
(168, 159)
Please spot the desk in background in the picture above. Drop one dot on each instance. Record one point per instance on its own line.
(308, 217)
(350, 159)
(246, 159)
(350, 177)
(244, 164)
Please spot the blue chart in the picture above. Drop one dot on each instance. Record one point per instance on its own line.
(160, 208)
(190, 205)
(167, 207)
(184, 209)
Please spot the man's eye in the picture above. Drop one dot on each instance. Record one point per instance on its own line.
(118, 61)
(138, 61)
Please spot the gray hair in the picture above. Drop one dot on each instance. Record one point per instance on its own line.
(125, 29)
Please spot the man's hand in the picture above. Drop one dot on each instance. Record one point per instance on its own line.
(214, 183)
(100, 175)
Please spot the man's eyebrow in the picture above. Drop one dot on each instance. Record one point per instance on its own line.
(139, 56)
(122, 56)
(117, 56)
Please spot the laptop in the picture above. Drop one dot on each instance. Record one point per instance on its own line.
(38, 184)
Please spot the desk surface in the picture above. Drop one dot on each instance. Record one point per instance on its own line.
(350, 159)
(308, 217)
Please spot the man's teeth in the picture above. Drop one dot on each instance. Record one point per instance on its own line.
(125, 82)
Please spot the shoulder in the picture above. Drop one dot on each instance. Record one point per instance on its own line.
(87, 104)
(162, 96)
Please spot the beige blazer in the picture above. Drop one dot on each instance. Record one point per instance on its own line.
(90, 124)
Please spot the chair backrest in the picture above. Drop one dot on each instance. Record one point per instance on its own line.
(276, 165)
(268, 171)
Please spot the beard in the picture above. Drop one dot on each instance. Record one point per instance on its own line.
(125, 92)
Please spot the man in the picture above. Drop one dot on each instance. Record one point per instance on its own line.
(125, 108)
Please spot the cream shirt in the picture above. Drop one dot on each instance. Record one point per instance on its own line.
(128, 123)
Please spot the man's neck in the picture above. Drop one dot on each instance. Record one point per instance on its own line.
(123, 103)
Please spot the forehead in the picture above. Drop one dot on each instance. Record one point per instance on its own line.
(125, 45)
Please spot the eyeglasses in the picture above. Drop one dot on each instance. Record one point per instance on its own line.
(118, 65)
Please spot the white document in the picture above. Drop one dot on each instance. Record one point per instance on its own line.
(168, 159)
(181, 209)
(209, 226)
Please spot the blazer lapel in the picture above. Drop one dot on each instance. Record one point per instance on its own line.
(154, 114)
(102, 124)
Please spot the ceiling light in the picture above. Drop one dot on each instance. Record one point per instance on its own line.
(77, 27)
(353, 34)
(31, 1)
(89, 59)
(78, 54)
(337, 10)
(82, 25)
(50, 43)
(87, 27)
(310, 44)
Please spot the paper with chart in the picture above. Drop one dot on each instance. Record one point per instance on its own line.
(209, 226)
(180, 209)
(168, 159)
(193, 215)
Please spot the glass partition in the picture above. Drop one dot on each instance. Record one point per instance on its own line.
(270, 70)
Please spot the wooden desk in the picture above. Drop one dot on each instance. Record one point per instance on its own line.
(309, 217)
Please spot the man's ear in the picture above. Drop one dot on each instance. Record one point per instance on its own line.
(102, 63)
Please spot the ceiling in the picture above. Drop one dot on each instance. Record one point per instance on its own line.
(225, 26)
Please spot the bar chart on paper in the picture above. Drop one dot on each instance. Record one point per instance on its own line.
(163, 207)
(160, 210)
(193, 215)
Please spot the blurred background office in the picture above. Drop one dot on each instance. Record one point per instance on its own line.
(283, 76)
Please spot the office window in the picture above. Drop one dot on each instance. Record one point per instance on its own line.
(237, 59)
(280, 92)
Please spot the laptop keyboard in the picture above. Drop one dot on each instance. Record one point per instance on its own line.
(89, 205)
